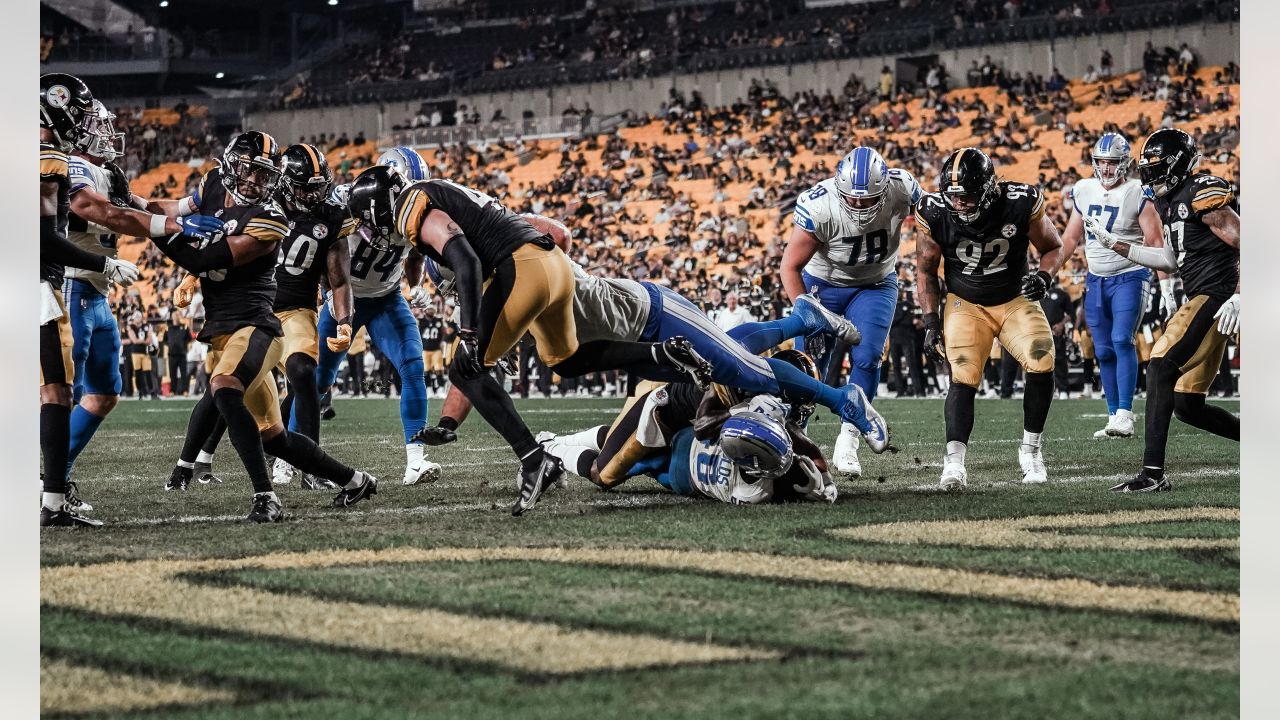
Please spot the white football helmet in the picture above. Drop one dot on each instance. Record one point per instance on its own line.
(407, 162)
(1113, 149)
(862, 178)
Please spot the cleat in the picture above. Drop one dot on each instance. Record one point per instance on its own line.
(681, 357)
(281, 472)
(66, 517)
(74, 502)
(1142, 483)
(311, 482)
(856, 406)
(1123, 425)
(548, 440)
(266, 509)
(1032, 462)
(954, 476)
(326, 406)
(179, 479)
(351, 495)
(532, 483)
(424, 471)
(203, 473)
(818, 319)
(845, 455)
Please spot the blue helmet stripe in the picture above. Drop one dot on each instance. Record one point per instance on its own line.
(861, 168)
(1105, 143)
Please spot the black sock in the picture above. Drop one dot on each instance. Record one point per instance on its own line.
(301, 370)
(299, 451)
(495, 406)
(1192, 409)
(243, 430)
(55, 443)
(959, 412)
(1161, 377)
(601, 434)
(585, 461)
(448, 423)
(286, 404)
(201, 428)
(1036, 399)
(609, 355)
(215, 437)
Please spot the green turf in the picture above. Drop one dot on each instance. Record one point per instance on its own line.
(845, 651)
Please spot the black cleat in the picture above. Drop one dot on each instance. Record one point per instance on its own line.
(266, 509)
(179, 479)
(74, 502)
(1143, 483)
(326, 406)
(434, 435)
(681, 357)
(311, 482)
(533, 482)
(65, 517)
(352, 495)
(203, 472)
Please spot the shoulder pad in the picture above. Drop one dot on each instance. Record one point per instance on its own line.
(908, 181)
(79, 173)
(1209, 192)
(812, 210)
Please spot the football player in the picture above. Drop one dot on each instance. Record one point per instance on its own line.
(844, 249)
(983, 227)
(1201, 242)
(377, 268)
(1116, 287)
(237, 279)
(530, 289)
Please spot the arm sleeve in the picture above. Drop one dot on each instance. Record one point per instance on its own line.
(468, 275)
(1161, 258)
(60, 250)
(195, 261)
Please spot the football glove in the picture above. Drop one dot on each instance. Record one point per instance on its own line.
(118, 186)
(205, 228)
(934, 345)
(419, 297)
(819, 487)
(1228, 316)
(185, 292)
(120, 272)
(1035, 285)
(342, 341)
(1168, 301)
(467, 356)
(435, 435)
(510, 363)
(1095, 228)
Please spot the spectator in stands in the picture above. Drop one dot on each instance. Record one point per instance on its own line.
(1186, 60)
(886, 84)
(732, 314)
(1104, 65)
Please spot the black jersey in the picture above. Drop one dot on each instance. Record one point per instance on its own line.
(493, 230)
(53, 168)
(985, 262)
(1207, 265)
(304, 255)
(240, 296)
(432, 329)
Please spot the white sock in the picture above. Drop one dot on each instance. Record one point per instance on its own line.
(357, 479)
(271, 495)
(187, 465)
(568, 454)
(53, 501)
(956, 451)
(416, 452)
(1031, 439)
(1124, 413)
(204, 457)
(586, 439)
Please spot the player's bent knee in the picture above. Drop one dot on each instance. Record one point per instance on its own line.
(966, 373)
(300, 368)
(55, 394)
(99, 405)
(224, 382)
(1187, 405)
(1040, 356)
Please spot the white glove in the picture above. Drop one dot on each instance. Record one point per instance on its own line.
(820, 487)
(1228, 316)
(120, 272)
(1095, 228)
(1168, 303)
(419, 296)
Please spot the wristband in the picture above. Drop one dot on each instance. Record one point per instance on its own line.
(188, 207)
(159, 223)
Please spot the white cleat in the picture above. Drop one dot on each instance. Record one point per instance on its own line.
(878, 437)
(1106, 431)
(1032, 462)
(845, 454)
(1123, 425)
(423, 471)
(281, 472)
(954, 476)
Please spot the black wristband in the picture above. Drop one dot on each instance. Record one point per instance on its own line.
(1048, 279)
(930, 320)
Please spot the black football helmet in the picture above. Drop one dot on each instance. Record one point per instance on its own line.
(1168, 158)
(968, 184)
(66, 107)
(372, 202)
(306, 177)
(800, 411)
(251, 168)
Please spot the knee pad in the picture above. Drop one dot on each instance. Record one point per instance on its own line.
(1104, 353)
(412, 369)
(299, 368)
(966, 372)
(1040, 355)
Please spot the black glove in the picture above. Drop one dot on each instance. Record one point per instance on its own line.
(119, 192)
(435, 435)
(467, 356)
(934, 346)
(1035, 285)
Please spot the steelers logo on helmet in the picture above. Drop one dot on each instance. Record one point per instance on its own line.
(58, 96)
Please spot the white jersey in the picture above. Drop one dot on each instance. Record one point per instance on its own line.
(608, 308)
(86, 235)
(1117, 209)
(374, 272)
(717, 477)
(851, 253)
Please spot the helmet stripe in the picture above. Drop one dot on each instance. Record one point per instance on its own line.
(1105, 143)
(315, 161)
(861, 168)
(955, 166)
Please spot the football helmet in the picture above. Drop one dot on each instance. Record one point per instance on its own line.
(372, 201)
(251, 168)
(1169, 156)
(758, 444)
(66, 106)
(1112, 159)
(407, 162)
(968, 184)
(306, 179)
(862, 178)
(100, 138)
(800, 411)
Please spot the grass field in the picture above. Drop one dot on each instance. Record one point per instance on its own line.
(1005, 601)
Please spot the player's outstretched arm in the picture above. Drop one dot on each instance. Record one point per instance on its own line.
(440, 233)
(559, 233)
(413, 263)
(338, 278)
(236, 251)
(801, 245)
(1072, 234)
(928, 262)
(94, 208)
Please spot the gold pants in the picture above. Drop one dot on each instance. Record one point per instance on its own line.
(1191, 340)
(141, 362)
(433, 360)
(1018, 324)
(300, 334)
(56, 342)
(534, 294)
(248, 354)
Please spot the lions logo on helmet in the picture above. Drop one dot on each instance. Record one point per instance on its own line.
(758, 445)
(407, 162)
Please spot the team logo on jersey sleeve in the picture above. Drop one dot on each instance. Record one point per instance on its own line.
(320, 231)
(1009, 230)
(1182, 211)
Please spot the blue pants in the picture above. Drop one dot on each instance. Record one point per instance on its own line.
(95, 338)
(871, 308)
(731, 363)
(394, 331)
(1113, 307)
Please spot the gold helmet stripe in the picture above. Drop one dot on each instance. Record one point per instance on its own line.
(315, 162)
(955, 166)
(268, 144)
